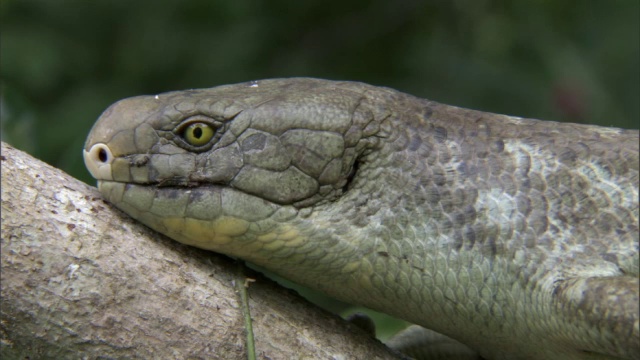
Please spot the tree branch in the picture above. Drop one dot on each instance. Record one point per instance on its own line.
(82, 280)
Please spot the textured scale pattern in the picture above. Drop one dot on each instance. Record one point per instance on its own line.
(516, 237)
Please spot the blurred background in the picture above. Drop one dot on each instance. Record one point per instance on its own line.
(62, 62)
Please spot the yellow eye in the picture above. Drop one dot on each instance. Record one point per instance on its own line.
(198, 134)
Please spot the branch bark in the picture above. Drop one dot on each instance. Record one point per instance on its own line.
(82, 280)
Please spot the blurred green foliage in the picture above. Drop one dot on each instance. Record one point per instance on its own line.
(63, 62)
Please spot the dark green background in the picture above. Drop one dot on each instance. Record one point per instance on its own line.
(63, 62)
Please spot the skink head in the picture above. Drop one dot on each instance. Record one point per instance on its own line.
(231, 168)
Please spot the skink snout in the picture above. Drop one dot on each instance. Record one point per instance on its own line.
(98, 161)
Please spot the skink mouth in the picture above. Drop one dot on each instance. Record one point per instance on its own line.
(168, 186)
(108, 166)
(99, 160)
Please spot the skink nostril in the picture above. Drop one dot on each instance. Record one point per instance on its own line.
(102, 155)
(98, 160)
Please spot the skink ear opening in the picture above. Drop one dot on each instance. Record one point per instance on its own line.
(352, 174)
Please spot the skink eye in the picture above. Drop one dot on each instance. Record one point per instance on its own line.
(198, 133)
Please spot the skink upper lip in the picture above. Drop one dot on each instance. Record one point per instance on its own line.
(99, 158)
(98, 161)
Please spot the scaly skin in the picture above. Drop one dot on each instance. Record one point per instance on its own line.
(517, 237)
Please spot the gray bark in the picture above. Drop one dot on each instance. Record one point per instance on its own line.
(82, 280)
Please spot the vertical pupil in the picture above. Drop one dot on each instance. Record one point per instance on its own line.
(197, 132)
